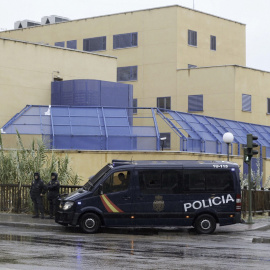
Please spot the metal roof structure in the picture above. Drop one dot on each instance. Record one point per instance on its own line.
(112, 128)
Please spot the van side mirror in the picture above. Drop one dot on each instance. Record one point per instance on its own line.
(100, 189)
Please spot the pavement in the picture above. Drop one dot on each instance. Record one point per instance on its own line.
(26, 220)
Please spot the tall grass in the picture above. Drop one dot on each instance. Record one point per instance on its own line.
(18, 166)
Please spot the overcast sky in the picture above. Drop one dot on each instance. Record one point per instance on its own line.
(254, 13)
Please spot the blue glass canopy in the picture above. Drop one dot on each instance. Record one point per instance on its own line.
(113, 128)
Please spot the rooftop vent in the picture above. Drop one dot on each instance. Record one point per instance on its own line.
(53, 19)
(25, 24)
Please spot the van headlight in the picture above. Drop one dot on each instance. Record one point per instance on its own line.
(67, 205)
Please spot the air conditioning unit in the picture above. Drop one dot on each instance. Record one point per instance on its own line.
(53, 19)
(25, 24)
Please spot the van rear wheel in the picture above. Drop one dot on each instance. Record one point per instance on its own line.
(205, 224)
(90, 223)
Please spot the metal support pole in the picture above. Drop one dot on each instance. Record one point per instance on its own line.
(228, 152)
(250, 195)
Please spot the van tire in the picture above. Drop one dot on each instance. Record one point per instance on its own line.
(205, 224)
(90, 223)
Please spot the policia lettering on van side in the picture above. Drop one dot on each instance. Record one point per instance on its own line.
(156, 193)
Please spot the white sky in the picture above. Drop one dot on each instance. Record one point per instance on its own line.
(254, 13)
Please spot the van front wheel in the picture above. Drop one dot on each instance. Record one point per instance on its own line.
(90, 223)
(205, 224)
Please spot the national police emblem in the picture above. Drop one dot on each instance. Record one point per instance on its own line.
(158, 204)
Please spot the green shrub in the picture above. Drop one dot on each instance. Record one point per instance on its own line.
(18, 166)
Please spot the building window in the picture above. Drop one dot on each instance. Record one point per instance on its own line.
(135, 105)
(60, 44)
(94, 44)
(127, 74)
(213, 44)
(164, 103)
(191, 66)
(195, 103)
(192, 38)
(165, 144)
(72, 44)
(125, 40)
(268, 105)
(246, 103)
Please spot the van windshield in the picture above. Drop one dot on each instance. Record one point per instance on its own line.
(94, 179)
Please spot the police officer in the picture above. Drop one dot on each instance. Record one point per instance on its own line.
(37, 191)
(53, 193)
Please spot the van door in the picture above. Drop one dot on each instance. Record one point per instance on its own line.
(116, 199)
(157, 197)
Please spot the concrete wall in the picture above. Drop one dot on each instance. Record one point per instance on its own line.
(88, 163)
(26, 72)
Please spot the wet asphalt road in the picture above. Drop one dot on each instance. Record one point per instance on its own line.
(67, 248)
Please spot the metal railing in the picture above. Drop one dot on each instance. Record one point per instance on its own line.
(17, 200)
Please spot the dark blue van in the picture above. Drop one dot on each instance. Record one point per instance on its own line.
(155, 194)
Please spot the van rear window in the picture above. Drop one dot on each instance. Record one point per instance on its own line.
(208, 180)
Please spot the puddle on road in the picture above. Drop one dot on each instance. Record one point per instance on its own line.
(37, 240)
(10, 261)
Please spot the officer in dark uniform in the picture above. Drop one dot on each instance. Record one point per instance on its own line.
(37, 191)
(53, 193)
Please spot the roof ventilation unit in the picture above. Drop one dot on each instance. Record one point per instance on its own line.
(53, 19)
(25, 24)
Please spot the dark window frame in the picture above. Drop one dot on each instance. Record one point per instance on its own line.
(135, 105)
(192, 38)
(195, 103)
(165, 101)
(102, 40)
(246, 103)
(268, 105)
(167, 142)
(127, 40)
(213, 43)
(72, 44)
(60, 44)
(130, 71)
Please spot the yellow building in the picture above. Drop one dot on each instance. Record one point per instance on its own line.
(27, 70)
(176, 58)
(150, 46)
(231, 92)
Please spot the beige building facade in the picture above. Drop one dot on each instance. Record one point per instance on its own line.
(27, 70)
(150, 46)
(175, 58)
(231, 92)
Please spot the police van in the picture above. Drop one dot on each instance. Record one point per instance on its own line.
(155, 194)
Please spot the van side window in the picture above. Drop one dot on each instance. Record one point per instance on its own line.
(160, 181)
(208, 181)
(119, 181)
(219, 181)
